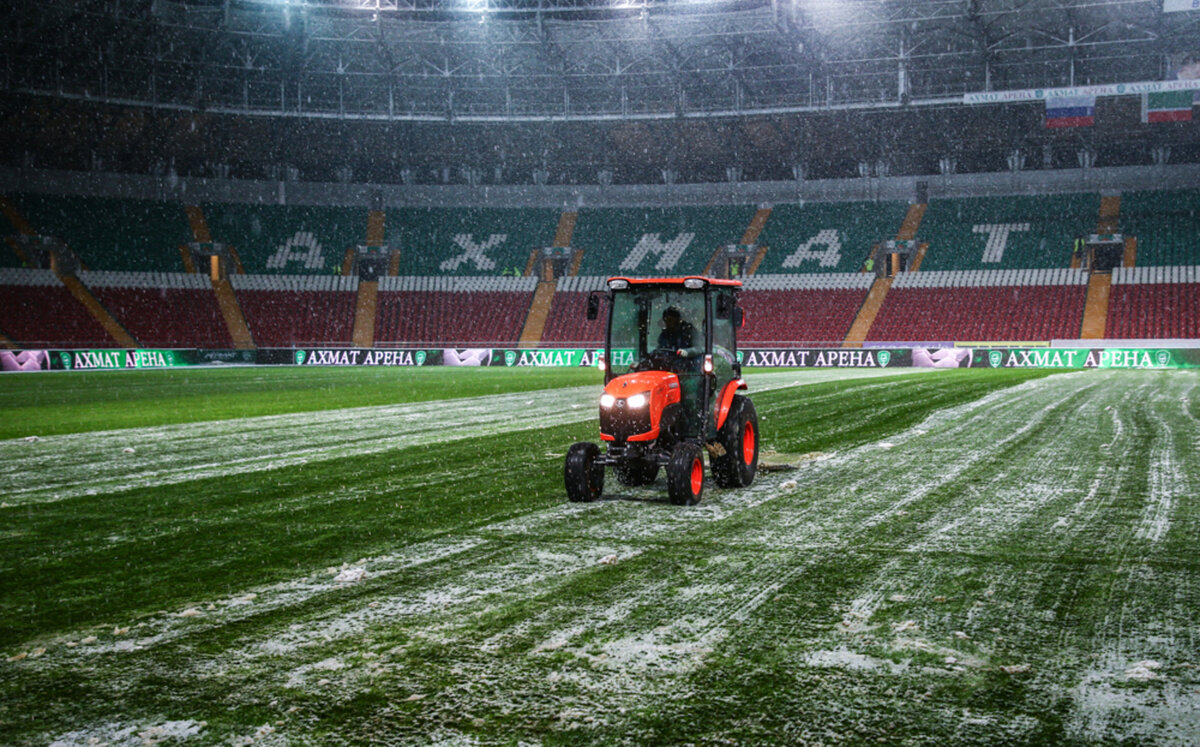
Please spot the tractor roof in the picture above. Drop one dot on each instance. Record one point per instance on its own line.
(676, 281)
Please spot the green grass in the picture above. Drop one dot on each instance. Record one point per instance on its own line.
(81, 401)
(841, 414)
(963, 557)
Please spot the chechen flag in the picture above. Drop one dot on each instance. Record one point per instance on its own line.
(1071, 111)
(1170, 106)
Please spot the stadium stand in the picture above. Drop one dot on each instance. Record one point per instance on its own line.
(286, 239)
(162, 309)
(292, 311)
(464, 310)
(814, 310)
(982, 305)
(1166, 224)
(1154, 302)
(654, 241)
(827, 237)
(1010, 232)
(567, 321)
(468, 241)
(111, 234)
(39, 311)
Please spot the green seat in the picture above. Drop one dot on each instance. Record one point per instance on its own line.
(287, 239)
(112, 234)
(1166, 224)
(468, 241)
(827, 237)
(1006, 232)
(656, 241)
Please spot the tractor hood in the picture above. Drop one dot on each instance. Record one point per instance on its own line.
(638, 419)
(648, 382)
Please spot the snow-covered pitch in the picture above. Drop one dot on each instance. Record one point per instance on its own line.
(1019, 567)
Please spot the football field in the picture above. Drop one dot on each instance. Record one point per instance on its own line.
(333, 556)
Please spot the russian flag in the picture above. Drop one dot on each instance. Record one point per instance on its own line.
(1071, 111)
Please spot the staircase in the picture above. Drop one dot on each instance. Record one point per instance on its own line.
(101, 315)
(908, 232)
(364, 314)
(1095, 310)
(866, 315)
(232, 311)
(539, 311)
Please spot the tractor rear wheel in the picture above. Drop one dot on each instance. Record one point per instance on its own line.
(685, 474)
(636, 472)
(739, 437)
(583, 473)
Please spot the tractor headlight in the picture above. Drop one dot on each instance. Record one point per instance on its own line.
(636, 401)
(607, 400)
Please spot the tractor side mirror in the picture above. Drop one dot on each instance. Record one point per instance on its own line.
(739, 318)
(593, 308)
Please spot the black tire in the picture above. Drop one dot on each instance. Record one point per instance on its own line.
(583, 474)
(636, 472)
(739, 437)
(685, 474)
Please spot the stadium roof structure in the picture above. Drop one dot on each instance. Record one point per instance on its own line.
(581, 60)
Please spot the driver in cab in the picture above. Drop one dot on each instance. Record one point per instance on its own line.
(679, 336)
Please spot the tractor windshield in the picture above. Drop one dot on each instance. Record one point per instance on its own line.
(651, 325)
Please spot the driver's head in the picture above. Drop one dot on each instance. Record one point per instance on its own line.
(671, 317)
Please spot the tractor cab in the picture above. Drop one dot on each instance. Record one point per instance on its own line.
(671, 375)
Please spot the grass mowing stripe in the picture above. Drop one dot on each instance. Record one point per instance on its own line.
(80, 401)
(848, 413)
(85, 561)
(69, 466)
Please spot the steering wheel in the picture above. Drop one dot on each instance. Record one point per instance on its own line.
(658, 359)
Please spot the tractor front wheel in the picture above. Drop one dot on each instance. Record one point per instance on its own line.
(685, 474)
(583, 473)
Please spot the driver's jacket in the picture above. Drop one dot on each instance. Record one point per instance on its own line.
(682, 338)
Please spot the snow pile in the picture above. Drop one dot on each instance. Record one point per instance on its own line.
(1143, 670)
(350, 576)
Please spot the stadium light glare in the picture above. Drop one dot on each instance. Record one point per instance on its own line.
(827, 13)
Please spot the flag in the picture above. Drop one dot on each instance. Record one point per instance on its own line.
(1169, 106)
(1071, 111)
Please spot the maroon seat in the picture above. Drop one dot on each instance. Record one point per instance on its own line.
(451, 317)
(168, 317)
(1013, 313)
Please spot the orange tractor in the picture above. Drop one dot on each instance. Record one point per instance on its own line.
(671, 382)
